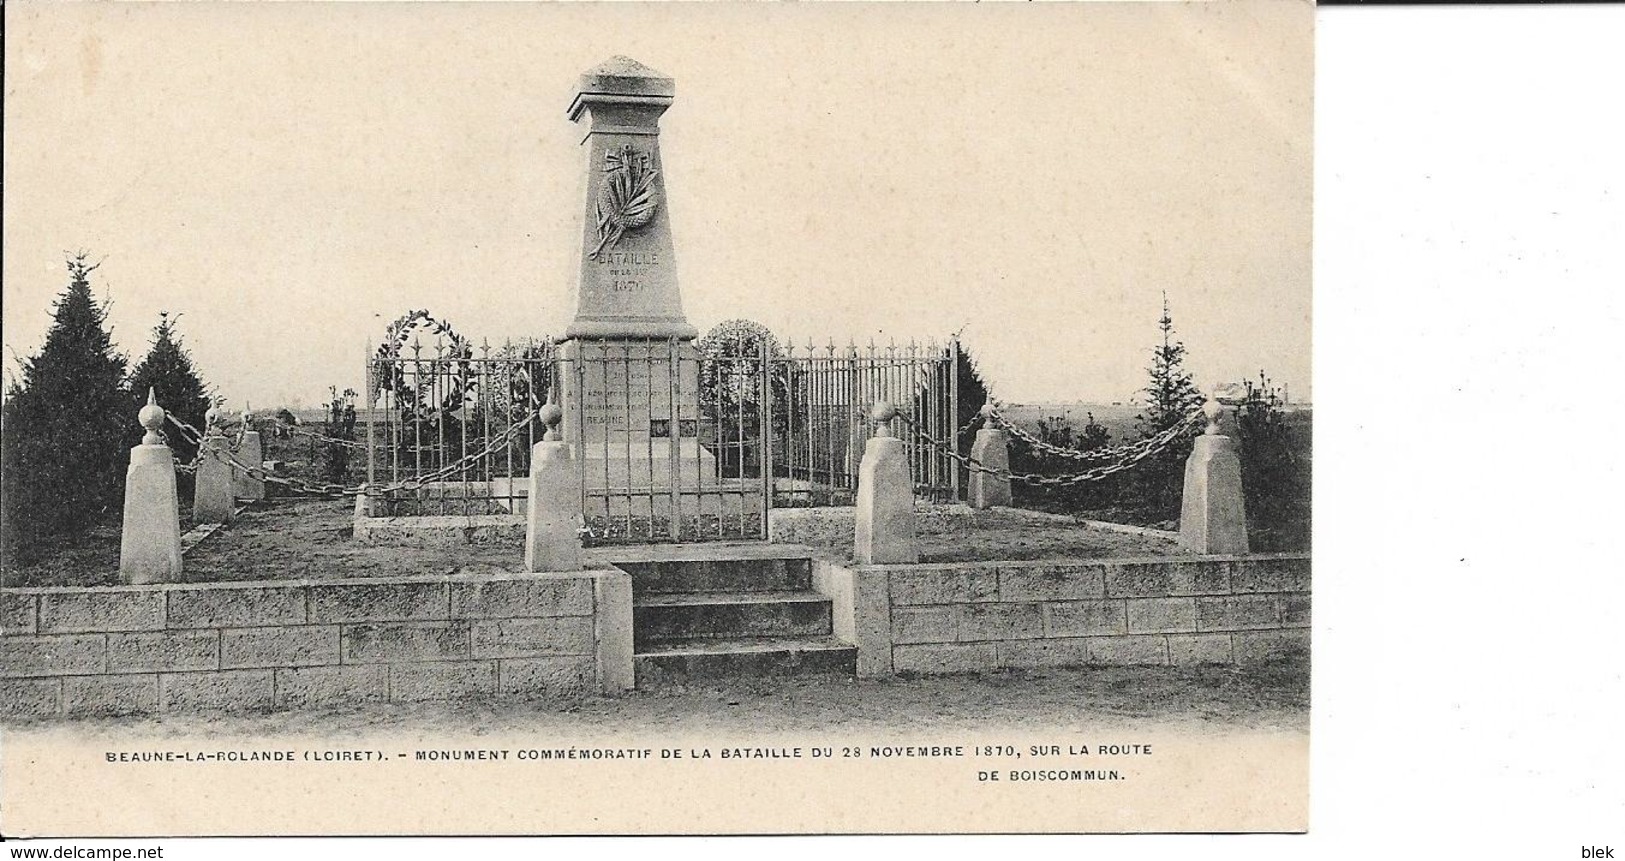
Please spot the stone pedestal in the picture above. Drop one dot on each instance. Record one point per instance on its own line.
(214, 498)
(992, 450)
(1213, 518)
(885, 515)
(252, 452)
(553, 511)
(632, 414)
(150, 547)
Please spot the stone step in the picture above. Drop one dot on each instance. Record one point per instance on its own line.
(713, 615)
(668, 576)
(693, 659)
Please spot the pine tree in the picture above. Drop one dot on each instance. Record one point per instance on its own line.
(969, 396)
(168, 370)
(1275, 469)
(972, 389)
(1170, 396)
(1171, 393)
(66, 425)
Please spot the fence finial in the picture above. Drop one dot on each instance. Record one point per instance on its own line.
(1212, 409)
(152, 418)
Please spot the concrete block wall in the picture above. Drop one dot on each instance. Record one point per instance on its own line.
(292, 644)
(943, 618)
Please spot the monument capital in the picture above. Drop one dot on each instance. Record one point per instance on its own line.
(625, 83)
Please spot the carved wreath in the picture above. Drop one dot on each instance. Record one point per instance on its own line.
(390, 366)
(627, 199)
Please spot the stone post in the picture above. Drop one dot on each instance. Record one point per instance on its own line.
(992, 450)
(251, 450)
(885, 517)
(1213, 518)
(553, 517)
(214, 498)
(150, 547)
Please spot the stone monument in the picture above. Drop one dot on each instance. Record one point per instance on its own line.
(628, 285)
(630, 373)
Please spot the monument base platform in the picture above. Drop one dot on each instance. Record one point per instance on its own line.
(647, 464)
(731, 509)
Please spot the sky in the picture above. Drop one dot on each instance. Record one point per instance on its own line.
(289, 178)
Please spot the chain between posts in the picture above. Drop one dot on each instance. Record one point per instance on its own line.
(1127, 450)
(347, 443)
(1138, 451)
(975, 419)
(192, 436)
(301, 486)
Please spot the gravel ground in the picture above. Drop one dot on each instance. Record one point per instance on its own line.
(299, 538)
(311, 538)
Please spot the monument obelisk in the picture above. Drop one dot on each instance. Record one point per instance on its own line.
(628, 285)
(630, 374)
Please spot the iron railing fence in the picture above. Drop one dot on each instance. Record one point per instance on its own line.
(822, 418)
(672, 442)
(431, 406)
